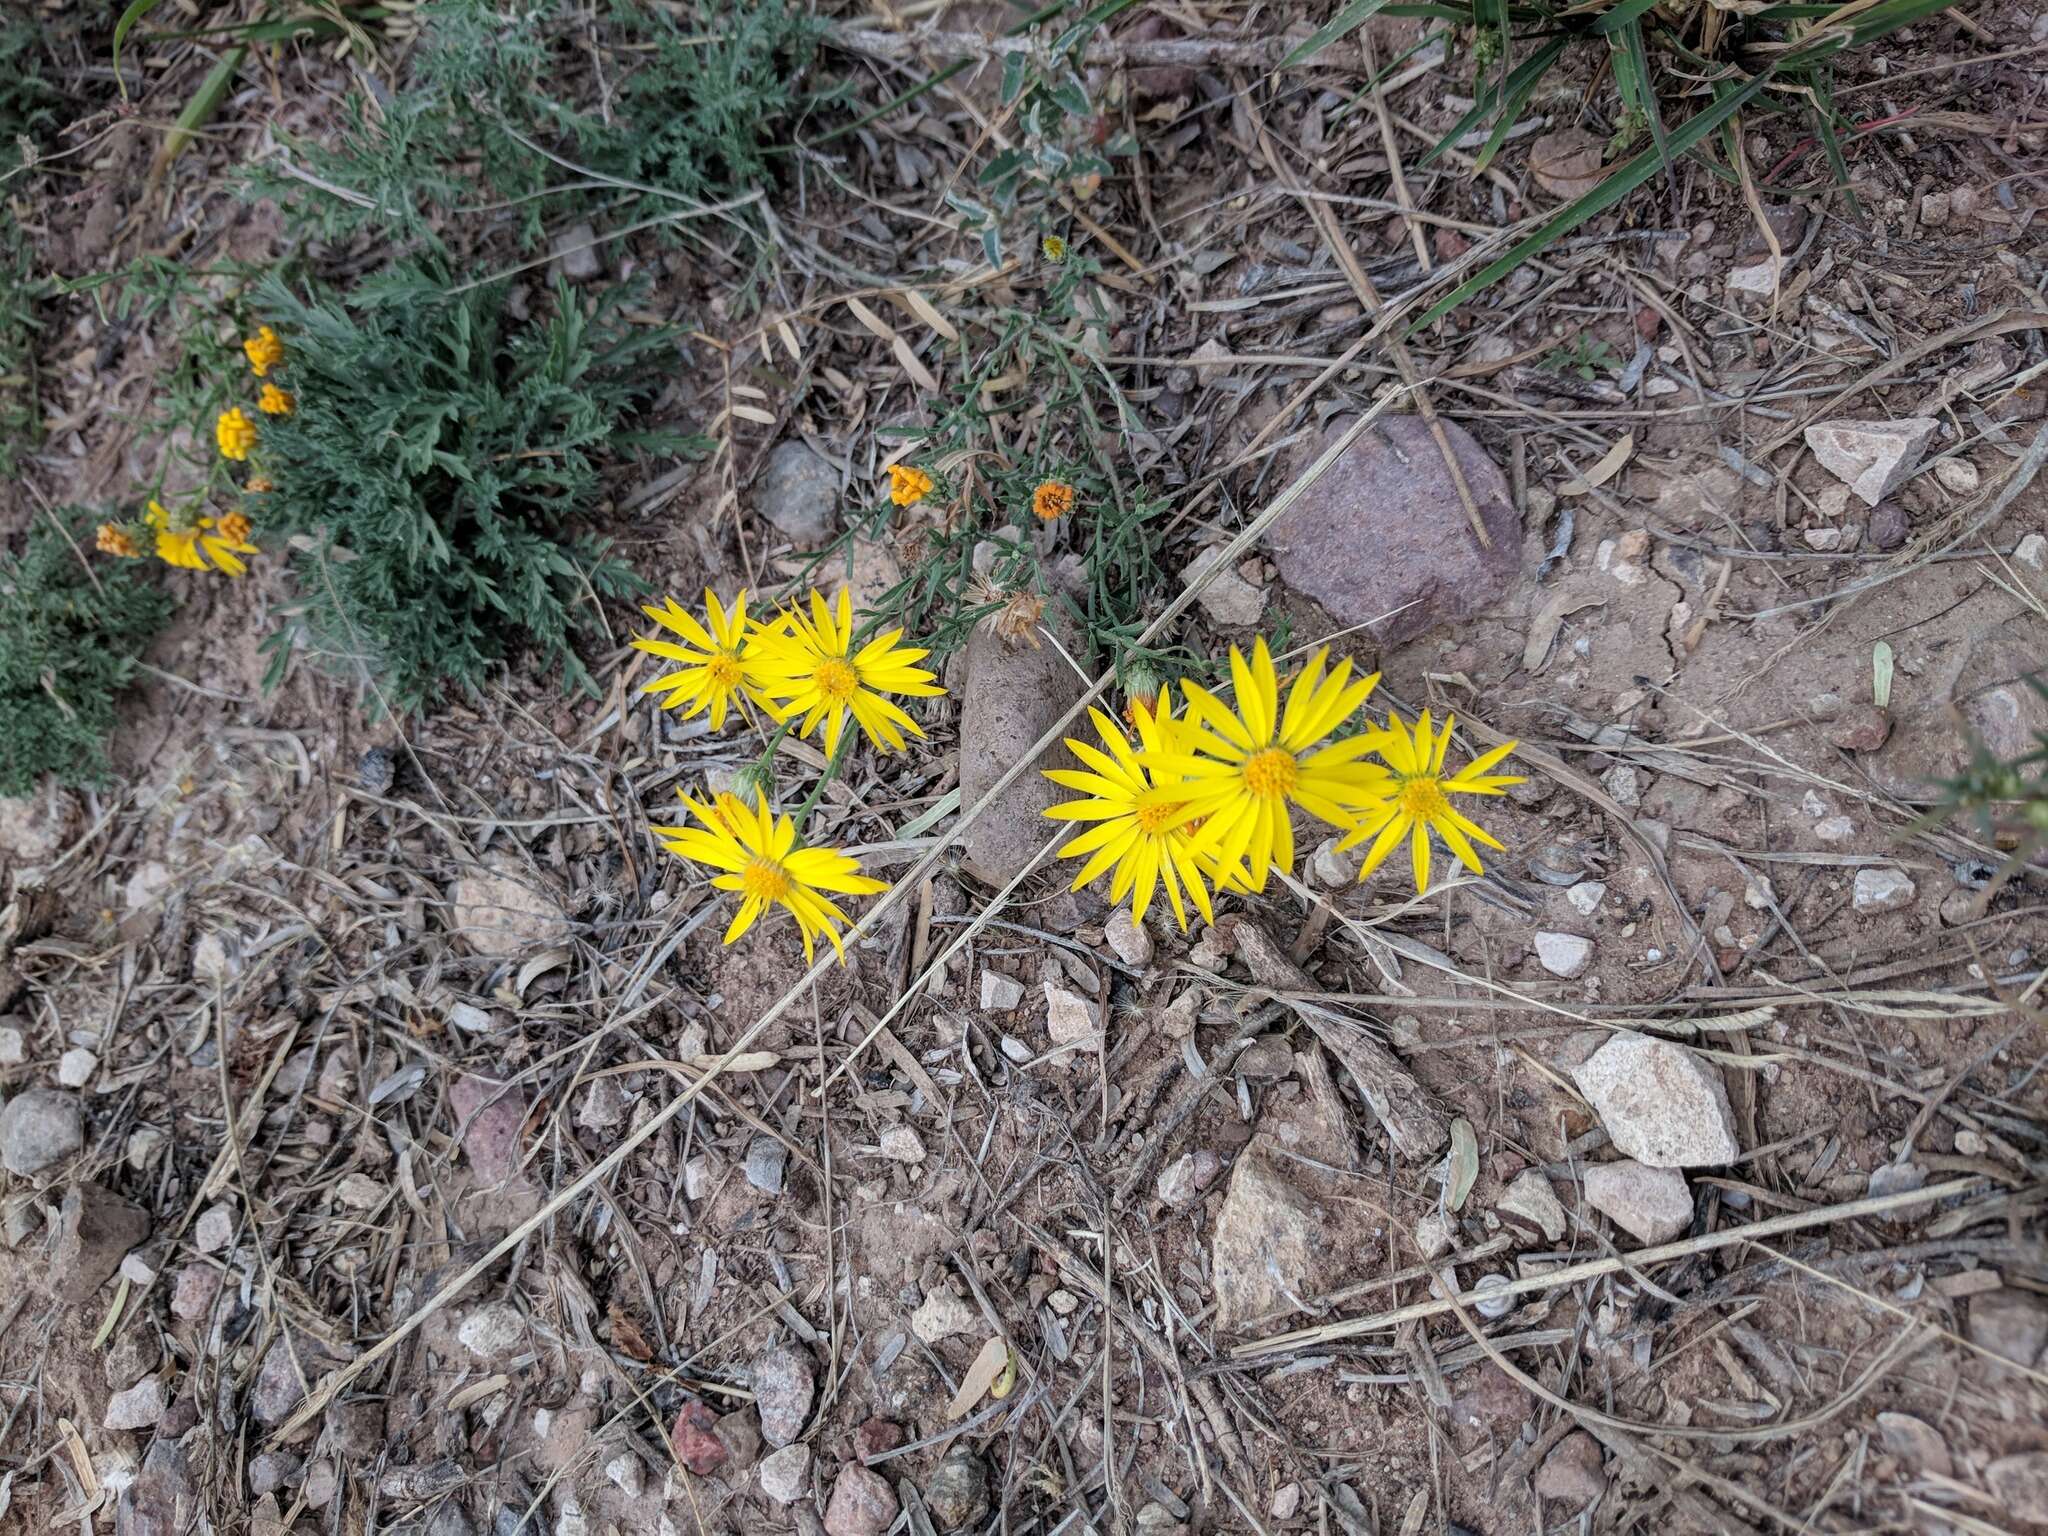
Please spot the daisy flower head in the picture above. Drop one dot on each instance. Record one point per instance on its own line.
(715, 660)
(810, 667)
(908, 484)
(1053, 249)
(1053, 500)
(235, 433)
(274, 401)
(1140, 834)
(757, 858)
(1246, 768)
(201, 543)
(113, 539)
(263, 350)
(1418, 800)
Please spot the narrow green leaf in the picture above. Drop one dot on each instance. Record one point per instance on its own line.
(135, 11)
(1611, 191)
(1524, 80)
(204, 103)
(1618, 18)
(1521, 86)
(1830, 144)
(1346, 21)
(1638, 54)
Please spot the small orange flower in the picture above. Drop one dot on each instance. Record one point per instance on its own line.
(264, 351)
(236, 528)
(235, 433)
(1052, 500)
(908, 484)
(115, 540)
(260, 484)
(274, 401)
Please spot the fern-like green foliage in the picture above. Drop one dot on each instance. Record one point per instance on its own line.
(27, 99)
(497, 86)
(439, 465)
(68, 647)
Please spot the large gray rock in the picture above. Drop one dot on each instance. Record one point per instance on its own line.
(2011, 1324)
(504, 912)
(39, 1128)
(1652, 1205)
(862, 1504)
(798, 492)
(1383, 529)
(95, 1230)
(1271, 1244)
(783, 1388)
(1013, 696)
(1660, 1103)
(2020, 1485)
(957, 1495)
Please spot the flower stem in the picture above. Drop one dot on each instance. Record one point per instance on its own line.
(831, 772)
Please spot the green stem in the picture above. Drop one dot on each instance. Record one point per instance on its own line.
(803, 815)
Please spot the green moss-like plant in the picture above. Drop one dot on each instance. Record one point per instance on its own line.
(69, 642)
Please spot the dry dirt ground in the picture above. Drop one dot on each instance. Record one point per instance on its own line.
(416, 1190)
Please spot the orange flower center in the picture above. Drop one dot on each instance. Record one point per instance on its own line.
(836, 680)
(1155, 818)
(1423, 799)
(765, 880)
(725, 670)
(1272, 772)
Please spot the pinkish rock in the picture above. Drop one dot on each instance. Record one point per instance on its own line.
(1573, 1473)
(1860, 728)
(192, 1295)
(862, 1504)
(1356, 544)
(877, 1437)
(491, 1120)
(696, 1437)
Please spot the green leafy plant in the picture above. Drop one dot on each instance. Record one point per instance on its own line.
(436, 471)
(1587, 357)
(498, 115)
(70, 637)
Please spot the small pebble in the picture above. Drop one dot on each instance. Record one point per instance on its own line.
(1958, 475)
(1563, 954)
(1586, 897)
(76, 1067)
(1880, 888)
(1000, 993)
(1127, 939)
(767, 1164)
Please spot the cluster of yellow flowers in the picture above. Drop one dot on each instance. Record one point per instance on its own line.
(1204, 802)
(184, 537)
(805, 668)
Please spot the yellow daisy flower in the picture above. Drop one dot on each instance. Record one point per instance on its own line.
(808, 663)
(716, 660)
(908, 484)
(757, 856)
(201, 544)
(1419, 799)
(235, 433)
(1245, 768)
(264, 351)
(1052, 500)
(113, 539)
(1053, 249)
(1140, 829)
(274, 401)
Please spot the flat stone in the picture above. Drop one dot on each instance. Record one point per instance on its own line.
(941, 1315)
(39, 1128)
(193, 1292)
(767, 1164)
(783, 1388)
(493, 1330)
(1270, 1242)
(76, 1067)
(577, 255)
(271, 1470)
(1128, 940)
(1332, 869)
(1586, 896)
(502, 913)
(1872, 458)
(1531, 1199)
(1860, 728)
(1000, 993)
(1958, 475)
(1434, 1235)
(34, 828)
(1563, 954)
(215, 1228)
(1573, 1473)
(139, 1407)
(1566, 164)
(786, 1474)
(1652, 1205)
(1182, 1181)
(13, 1046)
(740, 1434)
(1069, 1017)
(900, 1144)
(492, 1120)
(2019, 1484)
(1916, 1443)
(95, 1230)
(1760, 279)
(1834, 829)
(277, 1389)
(1012, 697)
(696, 1439)
(862, 1504)
(2032, 552)
(798, 492)
(1354, 543)
(1880, 888)
(2011, 1324)
(1228, 598)
(1660, 1103)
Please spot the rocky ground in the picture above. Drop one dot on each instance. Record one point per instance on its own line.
(376, 1153)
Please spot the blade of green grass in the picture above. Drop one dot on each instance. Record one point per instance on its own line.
(135, 11)
(1521, 85)
(1621, 16)
(1347, 20)
(204, 103)
(1830, 143)
(1603, 197)
(1637, 51)
(1489, 97)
